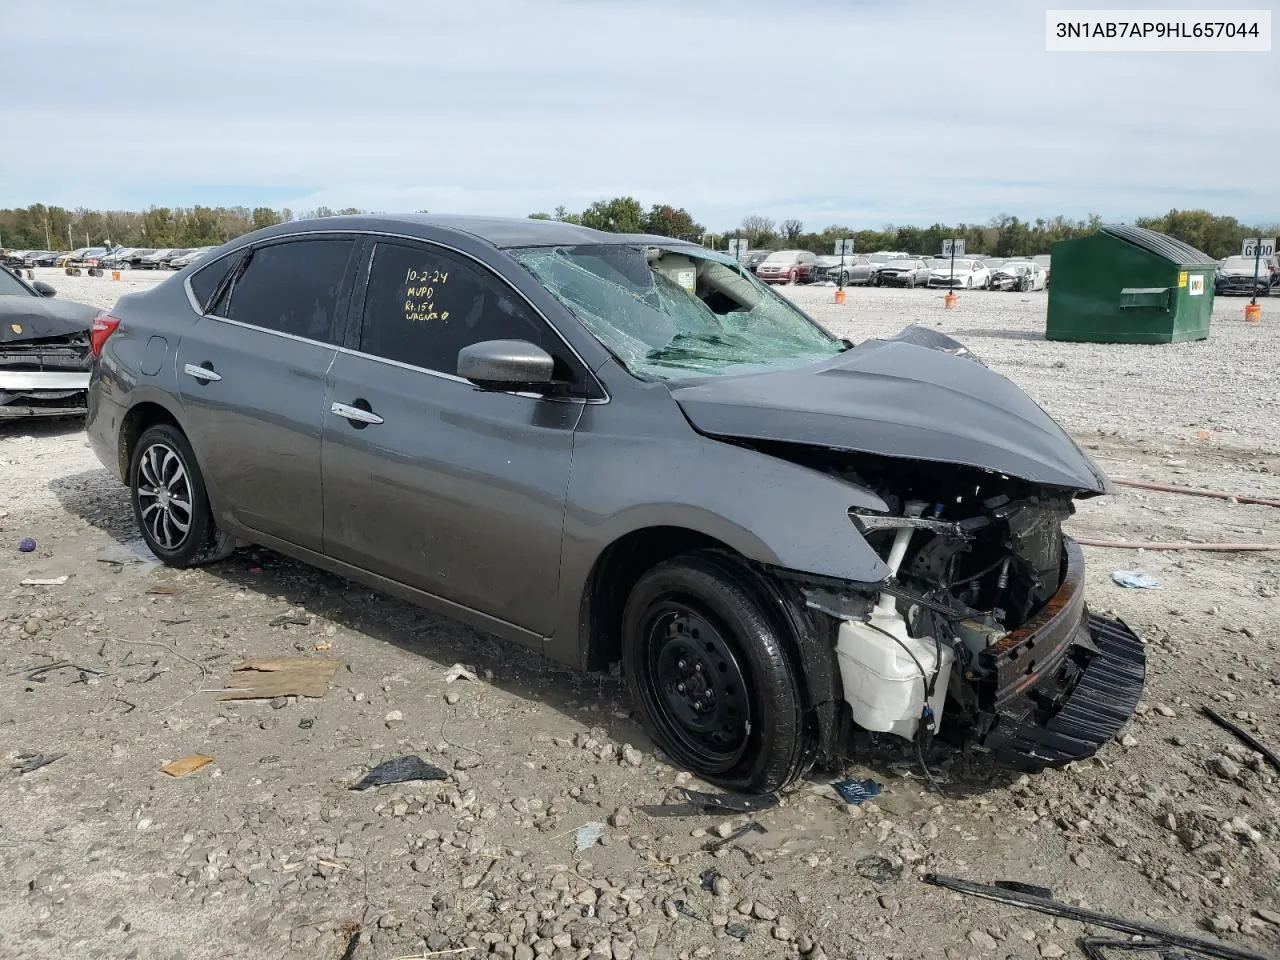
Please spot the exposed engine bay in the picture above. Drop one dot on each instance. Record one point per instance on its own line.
(981, 636)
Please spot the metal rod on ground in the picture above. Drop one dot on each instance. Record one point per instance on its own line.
(1177, 545)
(1243, 734)
(1195, 492)
(1210, 948)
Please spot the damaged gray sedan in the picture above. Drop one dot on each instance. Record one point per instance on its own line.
(627, 448)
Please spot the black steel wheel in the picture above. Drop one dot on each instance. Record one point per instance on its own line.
(710, 671)
(170, 503)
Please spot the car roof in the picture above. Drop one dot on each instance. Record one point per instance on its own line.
(501, 232)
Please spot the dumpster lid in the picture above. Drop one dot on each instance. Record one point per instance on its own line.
(1163, 245)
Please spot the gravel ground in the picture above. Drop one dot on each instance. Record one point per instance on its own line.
(266, 853)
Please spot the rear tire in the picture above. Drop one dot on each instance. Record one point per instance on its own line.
(793, 277)
(708, 669)
(170, 503)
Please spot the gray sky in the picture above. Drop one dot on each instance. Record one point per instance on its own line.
(853, 111)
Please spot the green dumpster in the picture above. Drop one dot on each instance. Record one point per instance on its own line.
(1129, 285)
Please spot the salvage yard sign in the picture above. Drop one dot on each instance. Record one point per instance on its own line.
(1258, 247)
(953, 248)
(737, 248)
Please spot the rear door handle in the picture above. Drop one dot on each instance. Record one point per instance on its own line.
(201, 373)
(355, 414)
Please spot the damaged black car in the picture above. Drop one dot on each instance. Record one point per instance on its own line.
(44, 351)
(627, 449)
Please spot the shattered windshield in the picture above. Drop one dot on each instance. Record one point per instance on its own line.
(673, 313)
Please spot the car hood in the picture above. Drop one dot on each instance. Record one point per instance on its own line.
(35, 318)
(898, 399)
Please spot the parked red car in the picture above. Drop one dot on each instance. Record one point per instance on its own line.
(788, 266)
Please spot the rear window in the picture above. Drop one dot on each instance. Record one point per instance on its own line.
(292, 288)
(205, 282)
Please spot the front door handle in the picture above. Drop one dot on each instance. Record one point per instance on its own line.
(201, 373)
(355, 414)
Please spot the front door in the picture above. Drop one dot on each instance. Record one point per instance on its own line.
(253, 385)
(429, 480)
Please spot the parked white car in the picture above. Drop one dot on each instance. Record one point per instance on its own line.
(969, 274)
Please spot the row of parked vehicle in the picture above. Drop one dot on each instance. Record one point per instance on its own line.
(96, 259)
(892, 268)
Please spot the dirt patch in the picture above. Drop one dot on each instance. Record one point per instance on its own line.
(267, 851)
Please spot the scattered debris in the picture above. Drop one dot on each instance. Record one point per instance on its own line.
(856, 791)
(683, 908)
(290, 619)
(164, 589)
(459, 672)
(280, 677)
(45, 581)
(188, 764)
(739, 931)
(879, 869)
(1243, 734)
(353, 941)
(30, 762)
(400, 770)
(737, 802)
(1030, 889)
(1176, 545)
(1136, 579)
(753, 826)
(40, 674)
(587, 835)
(1195, 491)
(708, 879)
(26, 545)
(1168, 938)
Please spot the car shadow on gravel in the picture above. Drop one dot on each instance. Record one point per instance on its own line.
(100, 501)
(37, 428)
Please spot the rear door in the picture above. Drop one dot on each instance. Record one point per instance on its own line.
(428, 480)
(252, 374)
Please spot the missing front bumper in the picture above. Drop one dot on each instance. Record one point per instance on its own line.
(1090, 699)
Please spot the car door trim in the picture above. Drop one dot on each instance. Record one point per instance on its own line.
(186, 286)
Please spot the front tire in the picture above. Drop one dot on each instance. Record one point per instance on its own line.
(708, 669)
(170, 503)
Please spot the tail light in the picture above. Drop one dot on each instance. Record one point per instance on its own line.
(104, 325)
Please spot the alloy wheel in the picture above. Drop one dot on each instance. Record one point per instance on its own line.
(164, 496)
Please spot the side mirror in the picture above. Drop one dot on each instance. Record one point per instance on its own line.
(505, 365)
(44, 289)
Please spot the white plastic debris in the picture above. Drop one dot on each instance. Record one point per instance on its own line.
(459, 672)
(587, 835)
(47, 582)
(1136, 579)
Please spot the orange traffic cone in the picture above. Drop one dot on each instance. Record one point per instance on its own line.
(950, 300)
(1253, 313)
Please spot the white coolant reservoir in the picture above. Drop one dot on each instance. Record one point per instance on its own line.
(884, 670)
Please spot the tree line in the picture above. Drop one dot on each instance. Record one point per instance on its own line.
(51, 227)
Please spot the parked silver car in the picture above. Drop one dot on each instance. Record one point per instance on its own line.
(904, 272)
(617, 448)
(856, 270)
